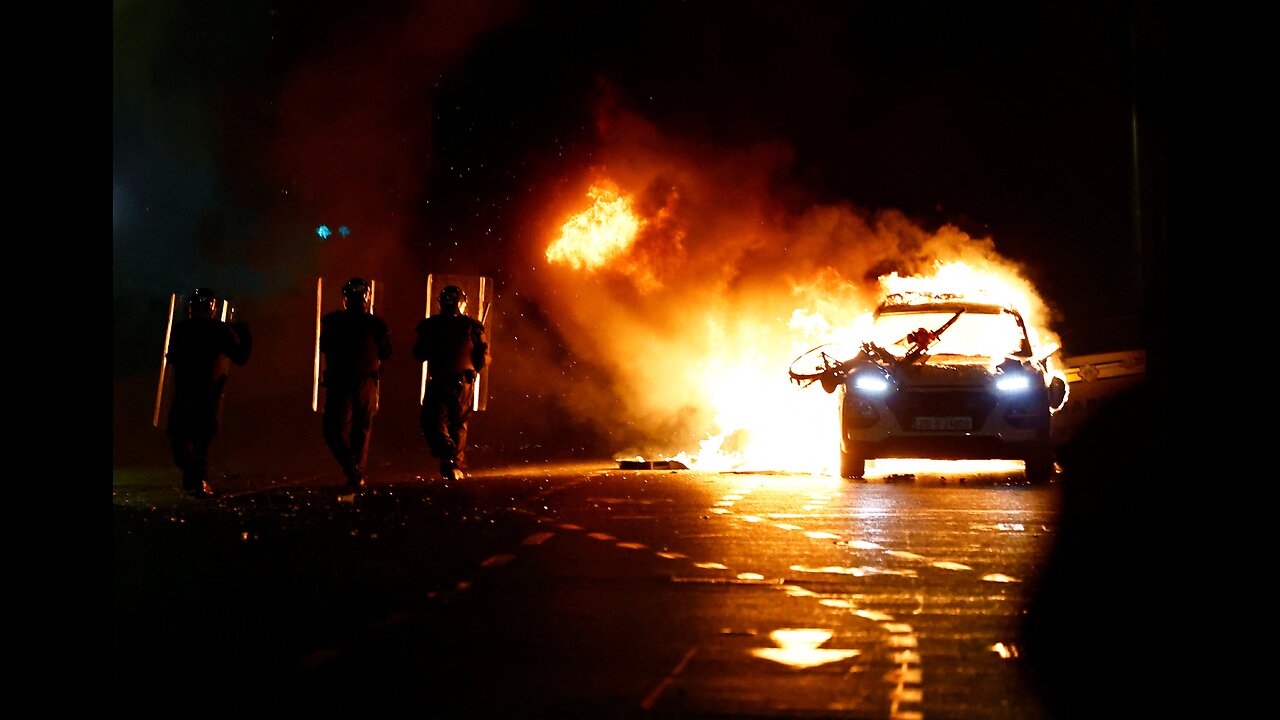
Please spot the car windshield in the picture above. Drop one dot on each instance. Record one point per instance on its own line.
(973, 334)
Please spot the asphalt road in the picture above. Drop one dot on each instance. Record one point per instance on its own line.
(582, 590)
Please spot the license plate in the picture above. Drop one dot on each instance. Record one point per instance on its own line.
(944, 423)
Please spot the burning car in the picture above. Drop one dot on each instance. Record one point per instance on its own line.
(942, 379)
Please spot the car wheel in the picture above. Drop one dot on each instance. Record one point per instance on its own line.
(852, 465)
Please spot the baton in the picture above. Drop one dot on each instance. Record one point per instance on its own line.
(315, 372)
(422, 389)
(164, 361)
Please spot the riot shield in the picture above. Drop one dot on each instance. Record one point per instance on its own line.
(480, 288)
(224, 311)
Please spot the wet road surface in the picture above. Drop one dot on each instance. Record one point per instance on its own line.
(581, 590)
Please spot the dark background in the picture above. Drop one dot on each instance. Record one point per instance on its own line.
(432, 132)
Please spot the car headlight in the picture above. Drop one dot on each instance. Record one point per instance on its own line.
(1013, 382)
(871, 382)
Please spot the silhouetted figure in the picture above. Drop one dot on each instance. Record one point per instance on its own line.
(354, 343)
(455, 350)
(1104, 588)
(201, 350)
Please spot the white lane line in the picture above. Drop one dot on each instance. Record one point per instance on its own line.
(905, 555)
(497, 560)
(873, 615)
(633, 546)
(538, 539)
(652, 698)
(601, 536)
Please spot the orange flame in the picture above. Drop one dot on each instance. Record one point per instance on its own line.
(591, 238)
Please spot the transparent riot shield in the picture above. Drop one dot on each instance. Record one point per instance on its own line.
(328, 299)
(225, 311)
(479, 290)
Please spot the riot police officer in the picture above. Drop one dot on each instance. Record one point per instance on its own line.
(455, 349)
(201, 349)
(354, 343)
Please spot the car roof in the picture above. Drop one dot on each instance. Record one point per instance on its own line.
(942, 307)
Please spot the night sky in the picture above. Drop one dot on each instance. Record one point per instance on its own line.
(436, 131)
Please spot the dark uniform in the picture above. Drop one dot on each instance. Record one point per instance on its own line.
(354, 344)
(201, 350)
(455, 350)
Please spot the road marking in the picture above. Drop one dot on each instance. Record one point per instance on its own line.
(997, 577)
(497, 560)
(873, 616)
(633, 546)
(537, 538)
(950, 565)
(905, 555)
(652, 698)
(601, 536)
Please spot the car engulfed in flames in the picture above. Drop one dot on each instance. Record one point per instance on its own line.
(942, 379)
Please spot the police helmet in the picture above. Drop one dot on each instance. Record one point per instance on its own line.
(452, 296)
(202, 301)
(356, 291)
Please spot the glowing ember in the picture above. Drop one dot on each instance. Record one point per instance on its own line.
(594, 236)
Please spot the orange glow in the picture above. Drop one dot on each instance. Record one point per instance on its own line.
(593, 237)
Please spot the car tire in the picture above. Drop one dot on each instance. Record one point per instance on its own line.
(852, 465)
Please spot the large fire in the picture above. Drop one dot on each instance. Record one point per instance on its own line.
(718, 360)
